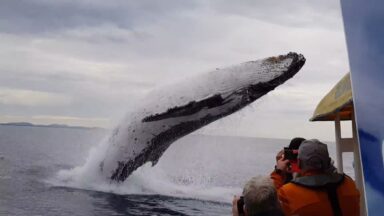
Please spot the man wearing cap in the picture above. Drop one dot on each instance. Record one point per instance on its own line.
(288, 176)
(317, 190)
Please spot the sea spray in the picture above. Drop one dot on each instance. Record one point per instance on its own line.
(88, 175)
(198, 176)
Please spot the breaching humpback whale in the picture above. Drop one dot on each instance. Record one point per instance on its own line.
(174, 112)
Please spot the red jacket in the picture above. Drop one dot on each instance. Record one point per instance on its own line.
(307, 195)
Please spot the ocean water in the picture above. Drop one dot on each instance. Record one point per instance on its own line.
(42, 173)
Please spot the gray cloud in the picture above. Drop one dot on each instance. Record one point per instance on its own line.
(299, 13)
(37, 16)
(42, 16)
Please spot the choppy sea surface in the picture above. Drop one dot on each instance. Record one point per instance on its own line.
(197, 175)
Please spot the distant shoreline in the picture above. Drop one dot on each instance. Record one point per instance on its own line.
(28, 124)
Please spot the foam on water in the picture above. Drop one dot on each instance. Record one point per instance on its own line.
(162, 179)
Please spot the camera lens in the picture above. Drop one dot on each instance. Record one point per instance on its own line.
(240, 205)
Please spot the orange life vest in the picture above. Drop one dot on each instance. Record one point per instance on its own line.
(309, 195)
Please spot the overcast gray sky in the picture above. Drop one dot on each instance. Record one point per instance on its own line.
(86, 62)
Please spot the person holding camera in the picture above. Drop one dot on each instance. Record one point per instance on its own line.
(290, 153)
(259, 199)
(317, 190)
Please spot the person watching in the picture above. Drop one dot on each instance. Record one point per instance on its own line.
(291, 171)
(317, 190)
(259, 199)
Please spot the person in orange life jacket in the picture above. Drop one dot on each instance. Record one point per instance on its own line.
(293, 167)
(317, 190)
(259, 199)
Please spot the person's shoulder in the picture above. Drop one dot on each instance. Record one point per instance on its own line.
(349, 181)
(350, 184)
(290, 188)
(297, 197)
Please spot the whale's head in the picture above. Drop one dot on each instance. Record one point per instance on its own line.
(256, 78)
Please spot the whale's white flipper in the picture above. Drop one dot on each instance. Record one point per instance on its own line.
(174, 112)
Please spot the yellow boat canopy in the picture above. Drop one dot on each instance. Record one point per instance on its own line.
(337, 101)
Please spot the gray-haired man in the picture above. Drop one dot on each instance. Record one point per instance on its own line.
(259, 199)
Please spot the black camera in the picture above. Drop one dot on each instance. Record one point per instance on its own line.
(290, 154)
(240, 205)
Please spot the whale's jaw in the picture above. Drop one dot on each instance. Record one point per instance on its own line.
(146, 138)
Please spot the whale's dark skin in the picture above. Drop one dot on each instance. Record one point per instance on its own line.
(149, 134)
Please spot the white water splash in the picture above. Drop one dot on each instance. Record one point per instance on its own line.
(167, 178)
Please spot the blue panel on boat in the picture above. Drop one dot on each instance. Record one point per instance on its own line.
(364, 27)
